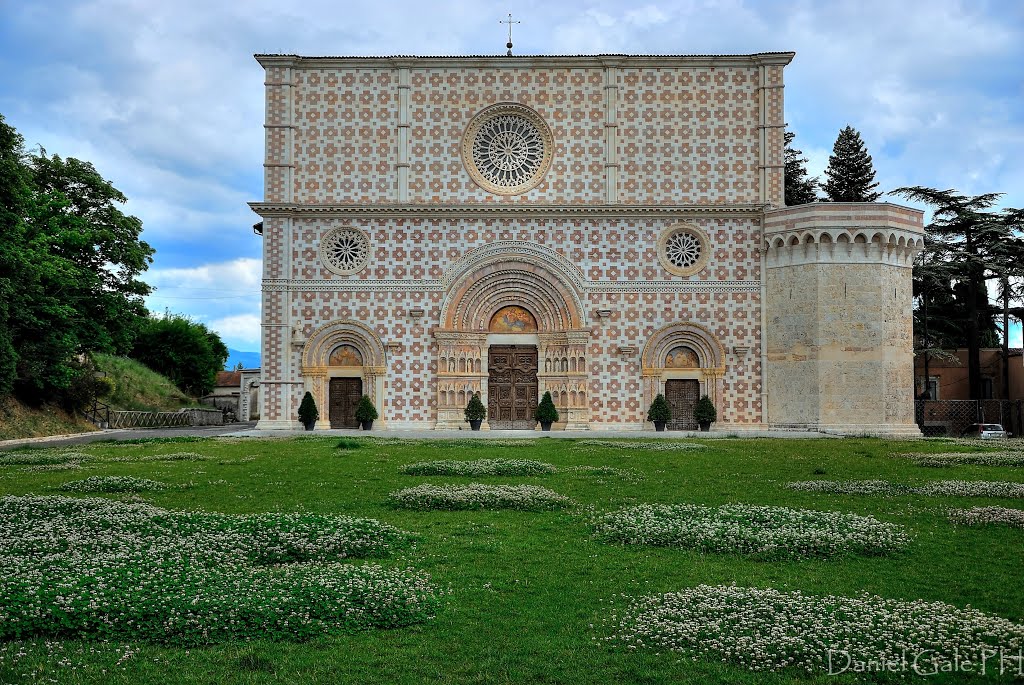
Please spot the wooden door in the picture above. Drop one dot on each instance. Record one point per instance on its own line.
(512, 386)
(345, 394)
(682, 396)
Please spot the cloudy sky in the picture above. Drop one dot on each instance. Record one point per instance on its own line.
(167, 101)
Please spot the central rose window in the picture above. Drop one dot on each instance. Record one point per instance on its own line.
(507, 149)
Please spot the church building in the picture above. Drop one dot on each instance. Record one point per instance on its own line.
(604, 228)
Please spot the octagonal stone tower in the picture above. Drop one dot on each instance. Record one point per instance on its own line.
(838, 317)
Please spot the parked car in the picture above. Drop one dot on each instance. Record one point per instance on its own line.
(985, 431)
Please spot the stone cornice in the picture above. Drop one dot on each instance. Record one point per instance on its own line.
(431, 285)
(527, 61)
(492, 209)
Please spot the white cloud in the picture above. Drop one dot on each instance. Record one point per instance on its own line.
(242, 330)
(225, 296)
(237, 275)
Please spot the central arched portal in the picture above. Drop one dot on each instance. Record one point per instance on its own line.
(512, 328)
(512, 382)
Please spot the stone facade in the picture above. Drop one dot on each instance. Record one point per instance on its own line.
(623, 202)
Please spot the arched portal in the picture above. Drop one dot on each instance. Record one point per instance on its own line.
(510, 321)
(341, 361)
(683, 361)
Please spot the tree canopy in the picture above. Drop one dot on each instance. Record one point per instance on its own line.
(800, 190)
(968, 245)
(69, 266)
(185, 351)
(850, 176)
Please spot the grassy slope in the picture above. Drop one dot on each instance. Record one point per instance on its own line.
(20, 421)
(139, 388)
(526, 587)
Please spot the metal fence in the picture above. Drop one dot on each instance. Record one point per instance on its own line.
(164, 419)
(951, 418)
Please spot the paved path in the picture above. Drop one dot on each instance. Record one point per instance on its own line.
(129, 434)
(248, 430)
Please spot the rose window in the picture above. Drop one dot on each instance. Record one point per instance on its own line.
(507, 149)
(683, 249)
(345, 250)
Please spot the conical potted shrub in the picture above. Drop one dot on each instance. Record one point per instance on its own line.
(660, 413)
(308, 413)
(366, 412)
(546, 413)
(704, 413)
(475, 412)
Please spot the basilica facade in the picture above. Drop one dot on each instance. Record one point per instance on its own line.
(603, 228)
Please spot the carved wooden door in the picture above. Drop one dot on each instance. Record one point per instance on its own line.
(682, 396)
(345, 394)
(512, 386)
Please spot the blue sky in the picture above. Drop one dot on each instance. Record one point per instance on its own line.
(167, 101)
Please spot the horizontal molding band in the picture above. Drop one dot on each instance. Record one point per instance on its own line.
(379, 285)
(490, 209)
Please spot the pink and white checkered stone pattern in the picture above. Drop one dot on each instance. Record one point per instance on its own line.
(683, 135)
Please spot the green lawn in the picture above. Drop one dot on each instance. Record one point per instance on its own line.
(527, 590)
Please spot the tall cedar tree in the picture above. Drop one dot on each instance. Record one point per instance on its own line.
(69, 262)
(974, 245)
(850, 174)
(800, 190)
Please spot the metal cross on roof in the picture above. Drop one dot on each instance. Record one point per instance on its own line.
(509, 22)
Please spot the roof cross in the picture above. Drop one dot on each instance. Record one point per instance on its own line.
(509, 22)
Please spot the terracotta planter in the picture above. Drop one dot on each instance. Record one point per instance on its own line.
(659, 426)
(367, 425)
(475, 424)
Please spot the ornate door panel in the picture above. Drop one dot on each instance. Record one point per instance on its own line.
(682, 396)
(512, 386)
(344, 397)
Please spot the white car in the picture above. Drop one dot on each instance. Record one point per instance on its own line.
(985, 431)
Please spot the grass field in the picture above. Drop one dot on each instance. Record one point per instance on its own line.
(527, 593)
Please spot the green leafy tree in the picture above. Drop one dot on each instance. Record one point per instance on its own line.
(69, 267)
(15, 199)
(970, 244)
(185, 351)
(800, 190)
(850, 176)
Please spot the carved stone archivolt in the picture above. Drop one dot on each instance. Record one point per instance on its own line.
(543, 297)
(683, 351)
(332, 350)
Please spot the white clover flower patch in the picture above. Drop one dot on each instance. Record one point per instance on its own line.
(42, 456)
(769, 630)
(948, 459)
(113, 484)
(764, 532)
(938, 488)
(646, 445)
(479, 467)
(114, 570)
(982, 516)
(478, 496)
